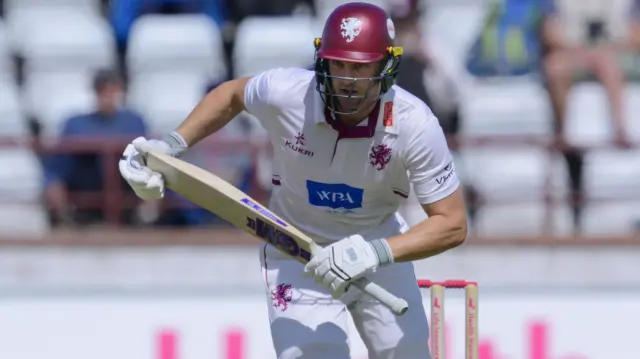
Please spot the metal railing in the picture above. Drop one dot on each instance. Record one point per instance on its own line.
(112, 198)
(112, 202)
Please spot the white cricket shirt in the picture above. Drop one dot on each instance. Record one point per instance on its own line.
(332, 182)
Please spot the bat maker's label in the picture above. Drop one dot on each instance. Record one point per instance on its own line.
(262, 211)
(277, 238)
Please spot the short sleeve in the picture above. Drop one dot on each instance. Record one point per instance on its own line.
(271, 89)
(268, 93)
(429, 162)
(256, 93)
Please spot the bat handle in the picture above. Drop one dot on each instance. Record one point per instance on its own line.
(398, 305)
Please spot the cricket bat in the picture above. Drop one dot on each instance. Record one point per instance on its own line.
(228, 202)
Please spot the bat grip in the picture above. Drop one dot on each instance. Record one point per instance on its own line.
(398, 305)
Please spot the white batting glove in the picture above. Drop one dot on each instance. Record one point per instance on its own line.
(347, 260)
(147, 184)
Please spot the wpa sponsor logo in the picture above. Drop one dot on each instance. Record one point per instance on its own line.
(336, 196)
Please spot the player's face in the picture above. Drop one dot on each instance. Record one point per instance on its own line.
(353, 91)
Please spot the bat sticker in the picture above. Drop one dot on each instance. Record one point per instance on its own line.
(277, 238)
(263, 211)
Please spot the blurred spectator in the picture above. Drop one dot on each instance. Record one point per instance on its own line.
(123, 13)
(595, 50)
(421, 75)
(509, 42)
(565, 41)
(69, 176)
(433, 85)
(580, 39)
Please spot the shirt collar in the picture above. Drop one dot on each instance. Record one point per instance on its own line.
(381, 118)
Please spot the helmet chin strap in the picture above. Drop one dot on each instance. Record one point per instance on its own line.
(340, 117)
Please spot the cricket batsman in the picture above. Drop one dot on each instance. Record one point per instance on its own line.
(347, 145)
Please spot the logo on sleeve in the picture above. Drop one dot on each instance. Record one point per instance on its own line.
(449, 170)
(334, 195)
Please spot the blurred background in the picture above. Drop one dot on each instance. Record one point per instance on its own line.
(539, 98)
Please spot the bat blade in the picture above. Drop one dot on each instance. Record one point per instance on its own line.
(233, 205)
(229, 203)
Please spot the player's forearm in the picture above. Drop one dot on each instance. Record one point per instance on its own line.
(214, 112)
(430, 237)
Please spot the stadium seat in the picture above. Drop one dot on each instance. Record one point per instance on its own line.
(505, 107)
(6, 65)
(609, 173)
(510, 178)
(21, 181)
(611, 218)
(13, 6)
(610, 189)
(633, 109)
(612, 173)
(523, 219)
(170, 43)
(166, 99)
(12, 120)
(588, 116)
(451, 43)
(263, 43)
(53, 38)
(22, 14)
(324, 7)
(505, 172)
(44, 99)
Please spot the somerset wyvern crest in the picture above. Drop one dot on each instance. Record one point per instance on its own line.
(350, 28)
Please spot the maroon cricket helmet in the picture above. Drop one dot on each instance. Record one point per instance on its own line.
(361, 33)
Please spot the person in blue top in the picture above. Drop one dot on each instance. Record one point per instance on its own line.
(68, 175)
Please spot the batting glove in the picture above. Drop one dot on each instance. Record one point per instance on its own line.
(347, 260)
(147, 184)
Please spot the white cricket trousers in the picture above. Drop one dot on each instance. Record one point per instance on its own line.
(307, 323)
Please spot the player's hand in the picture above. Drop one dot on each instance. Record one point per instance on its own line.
(147, 184)
(337, 265)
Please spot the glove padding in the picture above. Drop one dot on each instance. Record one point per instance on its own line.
(339, 264)
(147, 184)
